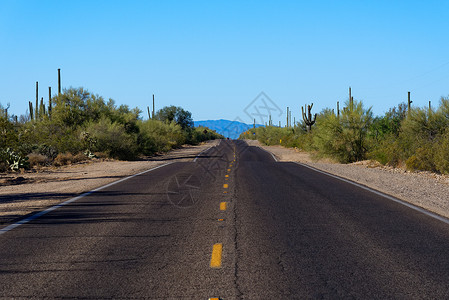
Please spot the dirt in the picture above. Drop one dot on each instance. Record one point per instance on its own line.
(424, 189)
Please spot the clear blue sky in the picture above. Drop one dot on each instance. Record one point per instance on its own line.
(214, 57)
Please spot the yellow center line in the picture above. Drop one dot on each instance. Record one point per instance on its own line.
(225, 185)
(222, 205)
(229, 170)
(226, 175)
(215, 261)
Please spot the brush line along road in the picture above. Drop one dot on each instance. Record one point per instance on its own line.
(233, 224)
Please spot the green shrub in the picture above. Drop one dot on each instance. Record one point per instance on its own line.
(441, 153)
(421, 160)
(200, 134)
(111, 138)
(157, 136)
(344, 138)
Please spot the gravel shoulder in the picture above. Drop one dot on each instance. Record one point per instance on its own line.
(25, 193)
(424, 189)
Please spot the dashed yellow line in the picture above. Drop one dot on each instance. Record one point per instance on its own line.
(217, 250)
(226, 175)
(229, 170)
(222, 205)
(225, 185)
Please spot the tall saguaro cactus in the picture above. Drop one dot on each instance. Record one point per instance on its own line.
(36, 113)
(30, 105)
(308, 120)
(152, 115)
(59, 81)
(49, 101)
(409, 104)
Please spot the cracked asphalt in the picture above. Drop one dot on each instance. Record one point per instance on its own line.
(287, 232)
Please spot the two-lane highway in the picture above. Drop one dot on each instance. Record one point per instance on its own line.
(233, 224)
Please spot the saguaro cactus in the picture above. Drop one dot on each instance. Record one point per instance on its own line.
(409, 104)
(36, 113)
(308, 118)
(59, 81)
(152, 115)
(350, 100)
(30, 105)
(49, 101)
(42, 109)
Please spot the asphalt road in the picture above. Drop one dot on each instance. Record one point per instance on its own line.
(233, 224)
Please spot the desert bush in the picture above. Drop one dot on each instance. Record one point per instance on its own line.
(68, 158)
(9, 134)
(200, 134)
(344, 138)
(422, 159)
(156, 136)
(37, 159)
(111, 138)
(441, 153)
(63, 159)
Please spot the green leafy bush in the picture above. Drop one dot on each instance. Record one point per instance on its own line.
(200, 134)
(344, 138)
(156, 136)
(111, 138)
(441, 153)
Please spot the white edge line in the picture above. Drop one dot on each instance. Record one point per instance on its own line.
(417, 208)
(43, 212)
(201, 153)
(274, 157)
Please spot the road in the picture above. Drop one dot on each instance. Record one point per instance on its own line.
(233, 224)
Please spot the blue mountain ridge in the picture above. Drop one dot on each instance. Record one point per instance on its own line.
(229, 129)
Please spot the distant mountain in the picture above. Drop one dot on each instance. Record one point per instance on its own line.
(229, 129)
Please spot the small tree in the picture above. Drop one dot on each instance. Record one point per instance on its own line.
(175, 114)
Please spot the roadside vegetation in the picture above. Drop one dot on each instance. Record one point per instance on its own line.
(417, 139)
(80, 126)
